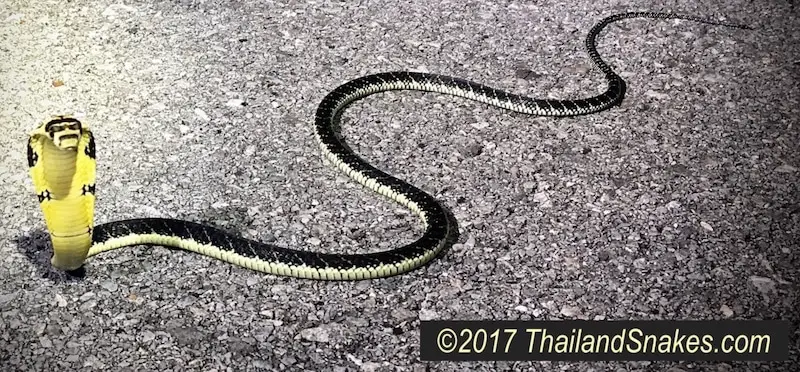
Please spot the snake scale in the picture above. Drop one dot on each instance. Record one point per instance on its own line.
(61, 157)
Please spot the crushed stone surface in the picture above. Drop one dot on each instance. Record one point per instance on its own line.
(682, 203)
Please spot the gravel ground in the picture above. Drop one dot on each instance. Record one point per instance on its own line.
(680, 204)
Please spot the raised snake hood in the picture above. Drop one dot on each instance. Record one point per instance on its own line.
(62, 167)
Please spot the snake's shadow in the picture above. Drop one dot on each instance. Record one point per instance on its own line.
(35, 246)
(453, 236)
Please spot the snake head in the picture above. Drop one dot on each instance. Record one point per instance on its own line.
(64, 131)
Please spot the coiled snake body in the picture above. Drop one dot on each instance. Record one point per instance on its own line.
(61, 157)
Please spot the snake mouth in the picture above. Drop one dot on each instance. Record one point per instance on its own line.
(67, 141)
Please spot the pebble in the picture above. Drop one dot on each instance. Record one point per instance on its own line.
(316, 334)
(540, 197)
(570, 311)
(201, 114)
(472, 150)
(114, 10)
(403, 314)
(234, 103)
(148, 336)
(7, 298)
(724, 367)
(261, 364)
(428, 314)
(480, 125)
(60, 300)
(88, 305)
(109, 285)
(786, 168)
(762, 284)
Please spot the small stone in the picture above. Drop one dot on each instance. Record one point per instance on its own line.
(572, 263)
(261, 364)
(427, 314)
(656, 94)
(472, 150)
(220, 205)
(528, 186)
(16, 17)
(60, 300)
(521, 308)
(706, 226)
(158, 106)
(88, 305)
(403, 314)
(234, 103)
(184, 128)
(186, 301)
(109, 285)
(148, 336)
(371, 366)
(764, 285)
(185, 335)
(114, 10)
(201, 114)
(280, 289)
(726, 311)
(480, 125)
(355, 359)
(7, 298)
(570, 311)
(316, 334)
(724, 367)
(314, 241)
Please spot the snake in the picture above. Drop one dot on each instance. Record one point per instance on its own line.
(61, 154)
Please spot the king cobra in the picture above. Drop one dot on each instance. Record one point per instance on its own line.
(61, 157)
